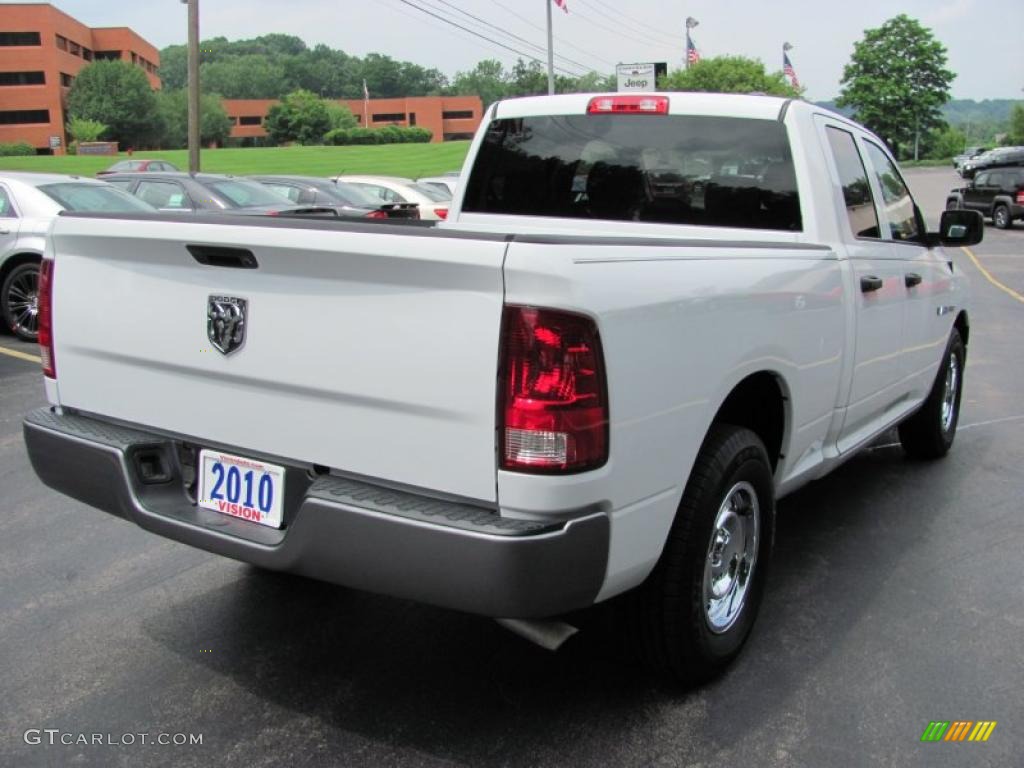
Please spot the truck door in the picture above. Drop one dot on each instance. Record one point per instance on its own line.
(927, 277)
(975, 195)
(877, 293)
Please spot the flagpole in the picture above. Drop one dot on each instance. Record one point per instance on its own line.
(551, 53)
(366, 105)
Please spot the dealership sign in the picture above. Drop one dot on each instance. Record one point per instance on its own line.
(640, 77)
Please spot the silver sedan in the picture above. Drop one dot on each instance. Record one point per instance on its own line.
(28, 203)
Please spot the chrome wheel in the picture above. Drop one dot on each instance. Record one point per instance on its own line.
(1001, 217)
(949, 393)
(731, 557)
(22, 302)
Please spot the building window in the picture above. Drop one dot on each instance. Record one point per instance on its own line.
(24, 116)
(107, 55)
(66, 80)
(87, 54)
(22, 78)
(412, 118)
(458, 114)
(62, 42)
(389, 117)
(19, 38)
(74, 48)
(250, 120)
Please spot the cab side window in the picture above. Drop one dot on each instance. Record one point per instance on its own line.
(853, 177)
(899, 205)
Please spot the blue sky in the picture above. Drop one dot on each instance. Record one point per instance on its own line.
(983, 37)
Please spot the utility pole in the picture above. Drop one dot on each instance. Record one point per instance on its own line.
(193, 85)
(551, 53)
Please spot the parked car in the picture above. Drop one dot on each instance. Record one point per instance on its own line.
(433, 202)
(1000, 157)
(28, 204)
(996, 192)
(565, 393)
(967, 154)
(210, 193)
(139, 166)
(446, 183)
(346, 199)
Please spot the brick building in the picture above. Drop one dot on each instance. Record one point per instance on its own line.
(448, 117)
(42, 49)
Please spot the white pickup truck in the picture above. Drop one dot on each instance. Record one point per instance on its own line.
(647, 318)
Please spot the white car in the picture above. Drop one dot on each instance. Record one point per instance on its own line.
(28, 203)
(433, 202)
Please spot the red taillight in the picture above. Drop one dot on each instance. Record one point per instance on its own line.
(553, 400)
(442, 213)
(1020, 197)
(638, 105)
(46, 319)
(376, 215)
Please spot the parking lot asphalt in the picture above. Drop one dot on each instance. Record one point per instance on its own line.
(895, 599)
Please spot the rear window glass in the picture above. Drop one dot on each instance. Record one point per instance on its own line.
(431, 192)
(676, 169)
(93, 197)
(242, 194)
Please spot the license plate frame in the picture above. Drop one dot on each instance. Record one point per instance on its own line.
(257, 487)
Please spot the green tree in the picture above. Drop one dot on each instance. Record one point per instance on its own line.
(340, 117)
(82, 129)
(897, 82)
(245, 77)
(118, 95)
(301, 116)
(1015, 137)
(487, 79)
(172, 107)
(945, 143)
(729, 74)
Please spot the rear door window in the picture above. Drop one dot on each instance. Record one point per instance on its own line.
(163, 194)
(670, 169)
(853, 178)
(6, 206)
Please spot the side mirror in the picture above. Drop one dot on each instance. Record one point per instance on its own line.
(960, 227)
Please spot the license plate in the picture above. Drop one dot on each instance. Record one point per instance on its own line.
(240, 487)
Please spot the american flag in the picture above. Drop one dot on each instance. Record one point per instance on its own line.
(561, 4)
(788, 71)
(692, 54)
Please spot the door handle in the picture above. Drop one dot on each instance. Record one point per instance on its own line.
(911, 279)
(219, 256)
(870, 283)
(5, 231)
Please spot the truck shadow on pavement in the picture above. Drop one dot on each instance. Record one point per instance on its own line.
(460, 688)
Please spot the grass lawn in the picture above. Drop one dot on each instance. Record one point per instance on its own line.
(411, 160)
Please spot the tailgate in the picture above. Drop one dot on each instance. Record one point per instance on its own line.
(370, 349)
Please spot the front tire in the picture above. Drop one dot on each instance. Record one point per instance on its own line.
(1001, 217)
(19, 301)
(697, 607)
(929, 433)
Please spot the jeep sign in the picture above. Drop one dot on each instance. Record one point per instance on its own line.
(639, 77)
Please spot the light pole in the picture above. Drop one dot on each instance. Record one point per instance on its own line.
(193, 85)
(551, 52)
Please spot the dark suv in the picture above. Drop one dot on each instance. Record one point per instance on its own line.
(998, 192)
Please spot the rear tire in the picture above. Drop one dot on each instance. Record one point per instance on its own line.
(697, 607)
(19, 301)
(953, 204)
(929, 433)
(1001, 217)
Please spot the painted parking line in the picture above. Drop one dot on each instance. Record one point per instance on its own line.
(20, 355)
(988, 275)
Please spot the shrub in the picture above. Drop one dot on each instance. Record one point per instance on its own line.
(391, 134)
(15, 150)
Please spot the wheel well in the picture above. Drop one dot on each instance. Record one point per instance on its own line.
(16, 260)
(962, 325)
(758, 404)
